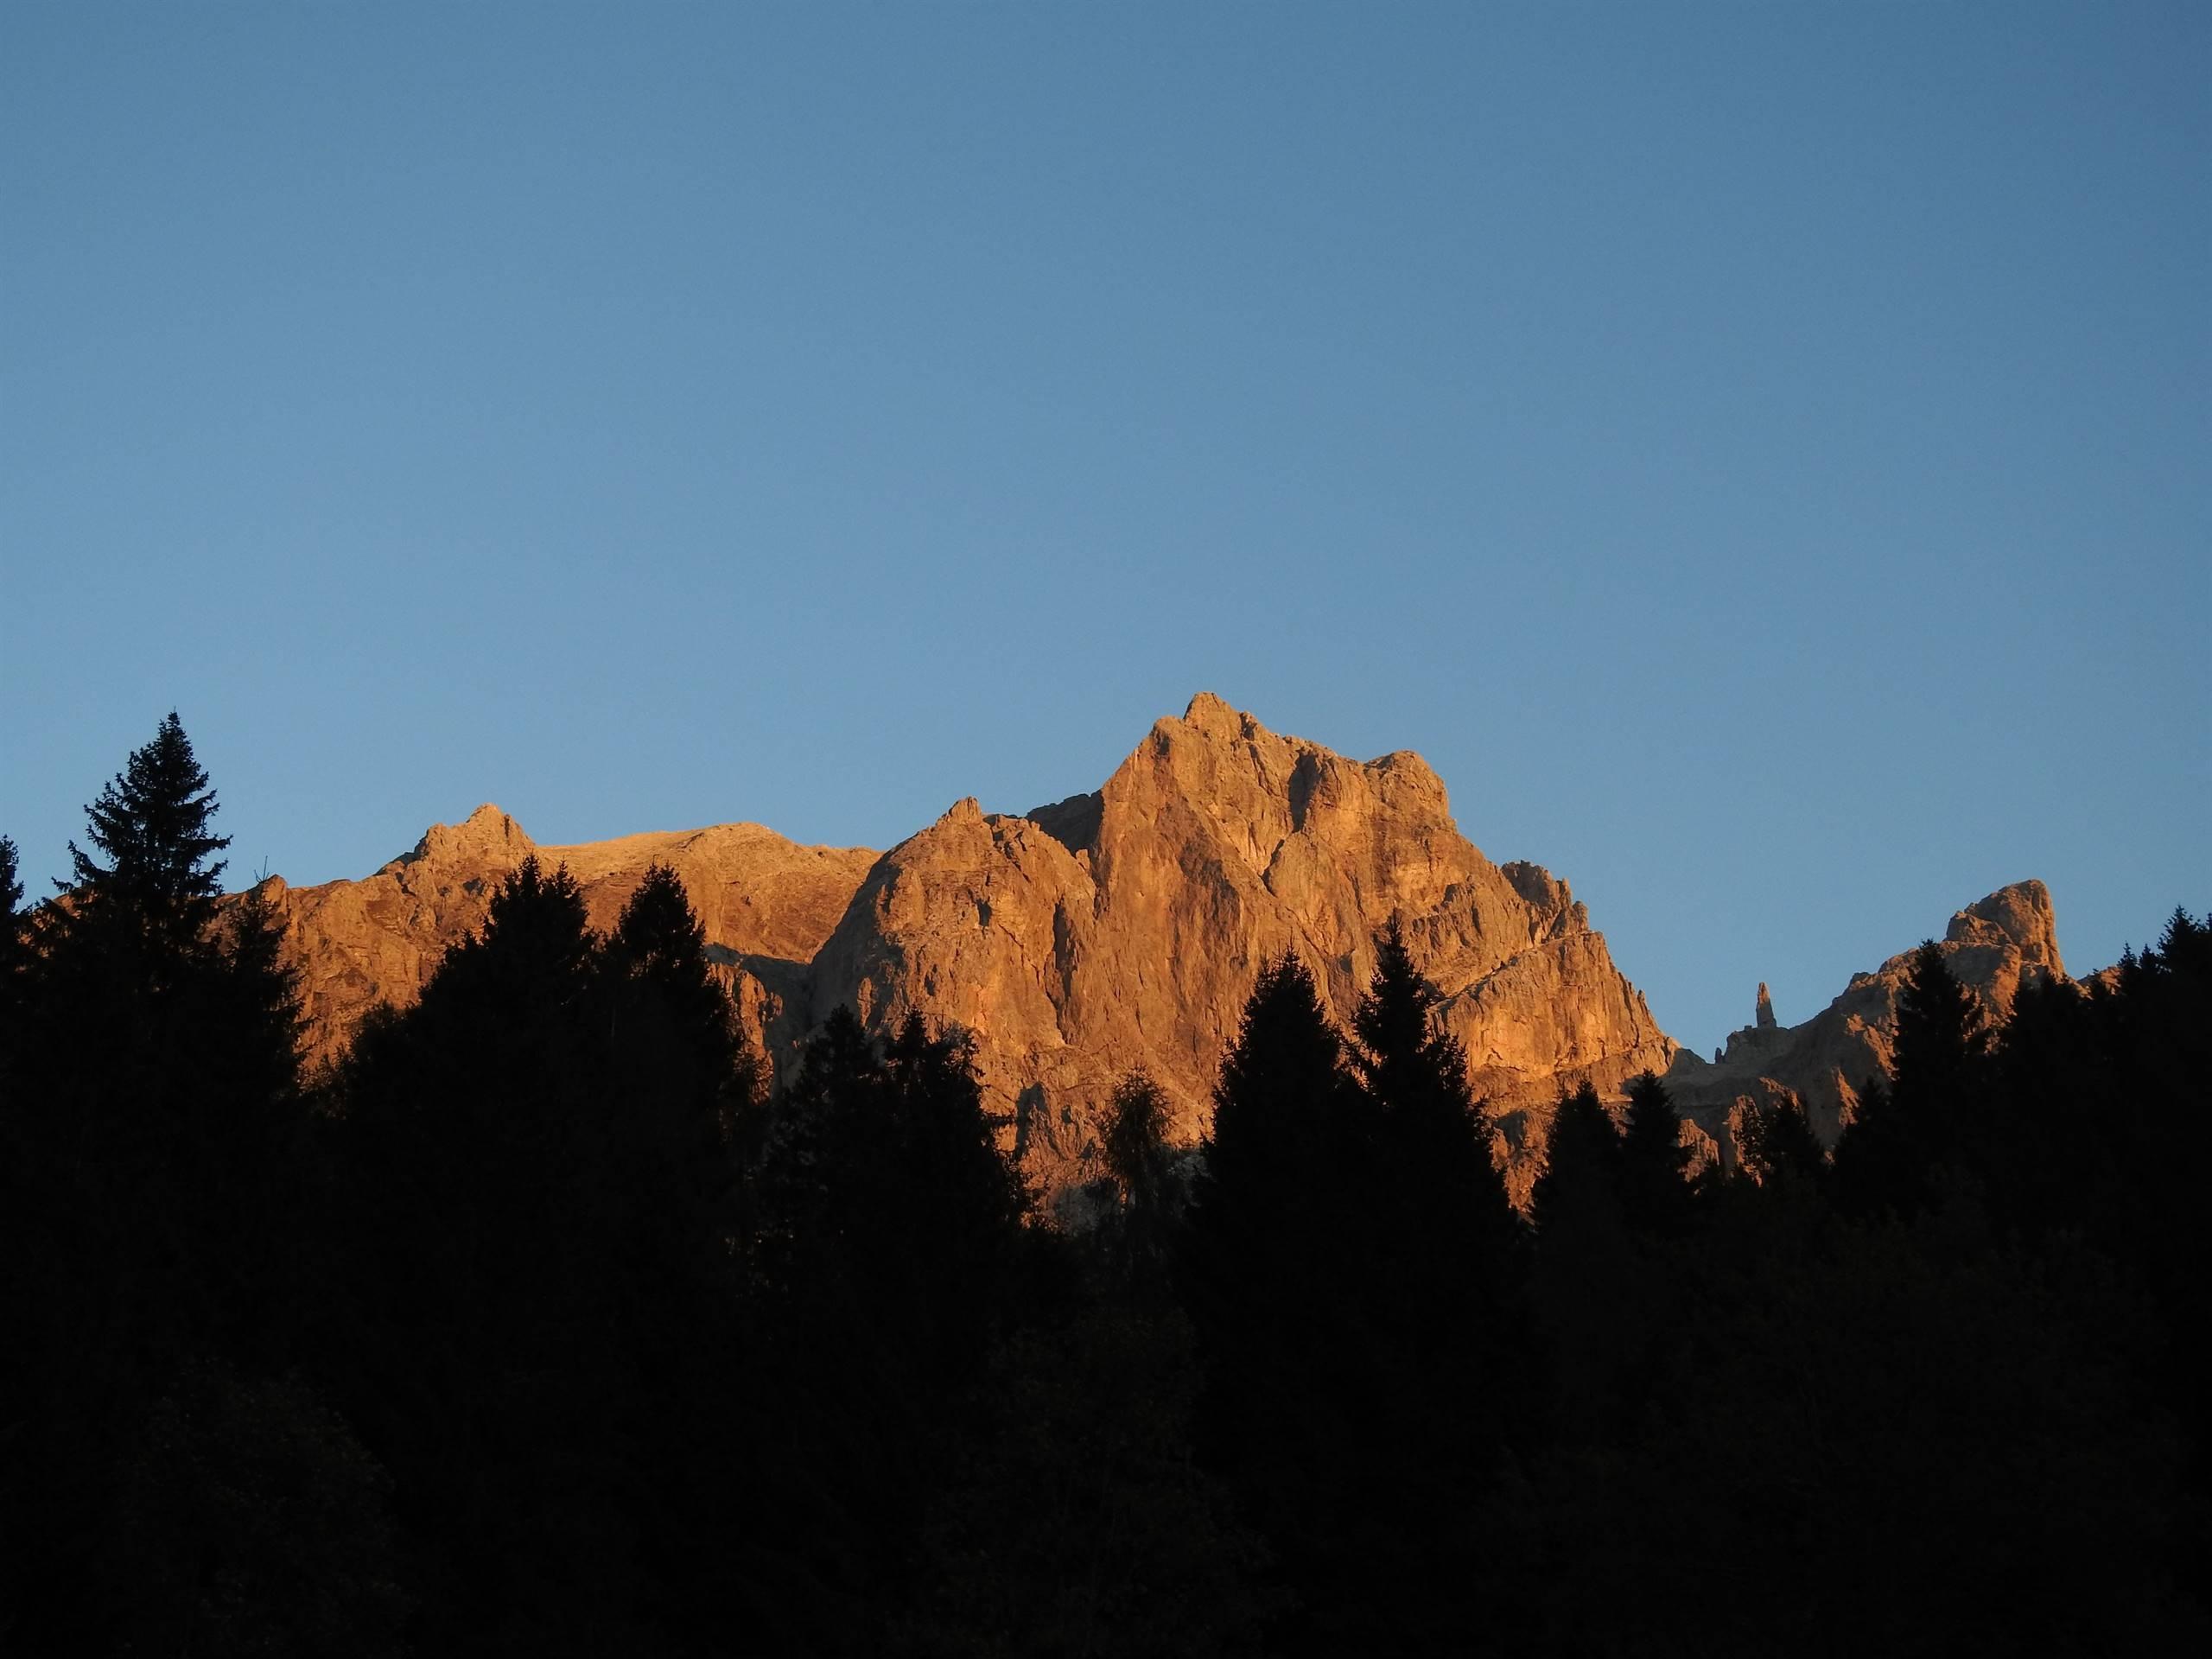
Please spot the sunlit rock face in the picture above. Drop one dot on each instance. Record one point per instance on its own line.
(1115, 929)
(1127, 927)
(1993, 947)
(766, 904)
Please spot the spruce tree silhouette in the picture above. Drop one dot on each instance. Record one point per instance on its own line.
(676, 1052)
(958, 1202)
(1134, 1144)
(1432, 1146)
(1583, 1276)
(1277, 1156)
(153, 1131)
(12, 925)
(489, 1346)
(11, 896)
(1654, 1163)
(1439, 1248)
(681, 1080)
(1910, 1144)
(167, 1057)
(2105, 1099)
(153, 823)
(1135, 1147)
(1279, 1279)
(1776, 1144)
(1941, 1033)
(1582, 1162)
(888, 1253)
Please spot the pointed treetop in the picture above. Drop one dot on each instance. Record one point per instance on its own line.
(1940, 1023)
(658, 933)
(151, 824)
(1655, 1164)
(1582, 1155)
(1285, 1037)
(1392, 1021)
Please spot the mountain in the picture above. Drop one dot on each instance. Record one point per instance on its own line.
(1992, 947)
(767, 905)
(1120, 928)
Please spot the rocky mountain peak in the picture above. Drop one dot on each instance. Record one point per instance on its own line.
(2018, 917)
(486, 833)
(1992, 947)
(1126, 926)
(1119, 927)
(1207, 714)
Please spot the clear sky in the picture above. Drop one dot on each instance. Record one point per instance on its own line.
(1761, 455)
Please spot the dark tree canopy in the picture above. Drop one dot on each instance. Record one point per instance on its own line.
(543, 1324)
(1134, 1144)
(1582, 1162)
(1280, 1106)
(1136, 1153)
(1655, 1164)
(11, 888)
(151, 1168)
(1914, 1141)
(1433, 1141)
(1777, 1143)
(12, 923)
(151, 824)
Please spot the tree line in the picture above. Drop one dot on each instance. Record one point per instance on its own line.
(546, 1322)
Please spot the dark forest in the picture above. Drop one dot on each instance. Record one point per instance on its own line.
(547, 1322)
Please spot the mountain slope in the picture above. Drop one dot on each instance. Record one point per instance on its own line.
(1993, 947)
(1120, 928)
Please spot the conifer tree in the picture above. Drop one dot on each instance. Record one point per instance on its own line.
(11, 895)
(12, 924)
(1279, 1278)
(888, 1255)
(1776, 1143)
(1582, 1162)
(1655, 1164)
(1134, 1146)
(1437, 1247)
(486, 1347)
(1279, 1157)
(1941, 1033)
(815, 1162)
(1583, 1279)
(1444, 1233)
(152, 1129)
(958, 1200)
(686, 1075)
(168, 1045)
(1916, 1139)
(1134, 1143)
(153, 823)
(1434, 1148)
(1282, 1125)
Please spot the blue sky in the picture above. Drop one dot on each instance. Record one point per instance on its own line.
(1758, 453)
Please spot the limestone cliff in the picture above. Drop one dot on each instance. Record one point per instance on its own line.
(1993, 947)
(1127, 927)
(1114, 929)
(766, 904)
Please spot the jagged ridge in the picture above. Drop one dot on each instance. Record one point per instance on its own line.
(1116, 928)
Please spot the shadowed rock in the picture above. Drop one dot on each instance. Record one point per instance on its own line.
(1993, 947)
